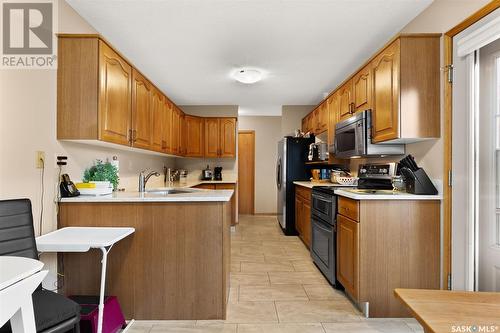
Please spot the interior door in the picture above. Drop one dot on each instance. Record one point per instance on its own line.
(488, 275)
(246, 172)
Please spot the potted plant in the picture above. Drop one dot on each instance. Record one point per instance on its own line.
(102, 172)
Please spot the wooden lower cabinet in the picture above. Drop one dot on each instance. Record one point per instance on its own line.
(347, 253)
(174, 267)
(234, 198)
(303, 214)
(394, 244)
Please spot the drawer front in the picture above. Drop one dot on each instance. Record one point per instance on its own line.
(304, 192)
(226, 186)
(349, 208)
(205, 186)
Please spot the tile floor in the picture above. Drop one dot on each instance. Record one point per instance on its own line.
(275, 288)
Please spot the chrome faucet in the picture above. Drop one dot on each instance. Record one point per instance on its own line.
(144, 179)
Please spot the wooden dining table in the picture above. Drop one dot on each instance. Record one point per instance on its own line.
(446, 311)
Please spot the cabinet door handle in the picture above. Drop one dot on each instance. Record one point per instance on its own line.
(130, 136)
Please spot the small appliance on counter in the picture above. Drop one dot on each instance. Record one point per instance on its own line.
(377, 176)
(67, 187)
(206, 174)
(318, 151)
(183, 176)
(416, 179)
(218, 173)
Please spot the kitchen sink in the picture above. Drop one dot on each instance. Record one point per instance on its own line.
(171, 191)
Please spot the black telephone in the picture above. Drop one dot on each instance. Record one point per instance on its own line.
(68, 189)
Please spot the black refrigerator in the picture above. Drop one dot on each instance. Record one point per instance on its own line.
(290, 166)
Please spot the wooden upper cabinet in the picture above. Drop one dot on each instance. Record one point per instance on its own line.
(333, 115)
(167, 126)
(115, 94)
(211, 137)
(321, 118)
(304, 124)
(315, 118)
(227, 137)
(194, 136)
(175, 134)
(406, 105)
(157, 112)
(311, 122)
(142, 116)
(220, 137)
(347, 255)
(386, 94)
(362, 89)
(345, 101)
(182, 134)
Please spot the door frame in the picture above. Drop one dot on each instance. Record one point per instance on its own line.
(253, 175)
(447, 137)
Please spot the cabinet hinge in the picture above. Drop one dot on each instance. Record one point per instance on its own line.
(449, 71)
(449, 282)
(450, 178)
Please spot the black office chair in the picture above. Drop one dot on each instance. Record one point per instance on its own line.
(54, 313)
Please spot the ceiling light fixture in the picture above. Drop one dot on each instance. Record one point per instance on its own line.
(247, 75)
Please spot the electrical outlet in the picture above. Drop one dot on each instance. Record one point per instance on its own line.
(39, 159)
(60, 160)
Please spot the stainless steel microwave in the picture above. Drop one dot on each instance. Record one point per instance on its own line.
(353, 139)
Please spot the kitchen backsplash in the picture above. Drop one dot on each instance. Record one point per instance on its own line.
(196, 165)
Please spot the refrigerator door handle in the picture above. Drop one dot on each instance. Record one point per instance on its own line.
(278, 173)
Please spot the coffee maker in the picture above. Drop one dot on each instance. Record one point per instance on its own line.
(218, 173)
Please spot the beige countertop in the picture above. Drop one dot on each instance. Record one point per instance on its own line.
(384, 195)
(192, 183)
(159, 194)
(156, 195)
(314, 184)
(349, 191)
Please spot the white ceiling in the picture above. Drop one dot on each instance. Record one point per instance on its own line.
(306, 47)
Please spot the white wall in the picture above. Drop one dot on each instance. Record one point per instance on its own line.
(291, 117)
(440, 16)
(28, 124)
(267, 134)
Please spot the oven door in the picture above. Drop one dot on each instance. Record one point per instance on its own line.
(350, 140)
(323, 247)
(324, 206)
